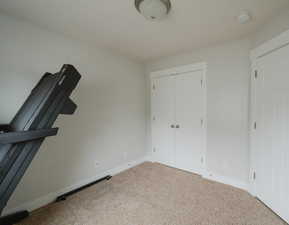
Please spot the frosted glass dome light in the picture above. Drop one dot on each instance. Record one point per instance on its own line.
(153, 9)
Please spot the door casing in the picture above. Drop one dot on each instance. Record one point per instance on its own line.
(263, 50)
(175, 72)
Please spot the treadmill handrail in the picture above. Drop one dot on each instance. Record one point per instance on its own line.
(26, 136)
(23, 138)
(5, 128)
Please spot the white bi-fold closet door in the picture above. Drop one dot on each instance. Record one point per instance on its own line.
(270, 114)
(178, 117)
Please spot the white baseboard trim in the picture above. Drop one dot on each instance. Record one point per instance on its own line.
(226, 180)
(49, 198)
(150, 158)
(218, 178)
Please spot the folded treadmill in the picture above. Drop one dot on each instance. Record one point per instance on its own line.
(21, 139)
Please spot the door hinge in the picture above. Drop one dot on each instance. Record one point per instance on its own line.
(154, 87)
(202, 122)
(154, 149)
(256, 74)
(201, 82)
(202, 160)
(255, 126)
(254, 176)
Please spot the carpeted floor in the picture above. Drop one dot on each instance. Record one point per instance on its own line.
(153, 194)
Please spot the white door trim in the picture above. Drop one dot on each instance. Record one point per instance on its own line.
(178, 70)
(202, 66)
(270, 46)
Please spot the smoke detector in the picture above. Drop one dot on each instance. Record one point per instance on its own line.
(153, 9)
(244, 17)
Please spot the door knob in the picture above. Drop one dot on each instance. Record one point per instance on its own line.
(178, 126)
(172, 126)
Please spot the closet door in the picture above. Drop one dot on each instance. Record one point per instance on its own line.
(163, 111)
(272, 131)
(189, 102)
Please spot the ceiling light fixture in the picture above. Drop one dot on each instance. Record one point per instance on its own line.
(153, 9)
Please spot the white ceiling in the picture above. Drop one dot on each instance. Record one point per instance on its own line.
(115, 24)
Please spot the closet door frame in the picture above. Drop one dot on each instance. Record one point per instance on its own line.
(202, 66)
(268, 47)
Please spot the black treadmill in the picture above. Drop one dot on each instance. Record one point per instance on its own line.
(21, 139)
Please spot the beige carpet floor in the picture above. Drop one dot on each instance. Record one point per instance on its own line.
(153, 194)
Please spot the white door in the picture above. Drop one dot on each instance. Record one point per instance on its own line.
(178, 135)
(272, 131)
(163, 111)
(189, 106)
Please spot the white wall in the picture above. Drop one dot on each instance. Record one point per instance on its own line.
(110, 119)
(109, 125)
(228, 84)
(227, 103)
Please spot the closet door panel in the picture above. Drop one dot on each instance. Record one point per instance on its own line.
(272, 153)
(189, 101)
(163, 113)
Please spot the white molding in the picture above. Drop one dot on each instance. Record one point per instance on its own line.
(179, 70)
(252, 119)
(201, 66)
(49, 198)
(269, 46)
(205, 122)
(220, 179)
(225, 180)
